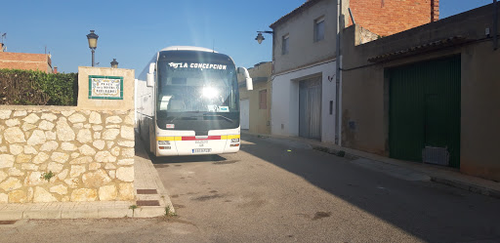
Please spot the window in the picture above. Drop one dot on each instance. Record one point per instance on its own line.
(263, 99)
(319, 29)
(285, 45)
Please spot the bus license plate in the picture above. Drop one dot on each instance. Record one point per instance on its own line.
(201, 150)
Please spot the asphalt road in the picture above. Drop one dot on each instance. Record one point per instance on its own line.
(282, 191)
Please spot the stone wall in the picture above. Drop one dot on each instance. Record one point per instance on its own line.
(50, 154)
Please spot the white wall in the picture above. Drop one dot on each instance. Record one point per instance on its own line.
(303, 50)
(285, 101)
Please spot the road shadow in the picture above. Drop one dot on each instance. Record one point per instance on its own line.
(429, 211)
(139, 147)
(213, 158)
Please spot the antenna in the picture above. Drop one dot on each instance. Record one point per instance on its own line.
(3, 47)
(213, 45)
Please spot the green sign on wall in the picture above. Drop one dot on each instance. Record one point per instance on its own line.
(105, 87)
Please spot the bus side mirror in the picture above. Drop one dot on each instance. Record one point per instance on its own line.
(248, 79)
(150, 78)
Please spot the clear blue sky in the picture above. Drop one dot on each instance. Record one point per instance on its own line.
(132, 31)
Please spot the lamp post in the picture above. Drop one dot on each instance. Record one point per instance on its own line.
(260, 37)
(114, 63)
(92, 38)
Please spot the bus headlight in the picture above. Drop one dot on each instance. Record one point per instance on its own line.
(161, 143)
(235, 140)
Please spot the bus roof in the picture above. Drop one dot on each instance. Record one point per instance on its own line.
(187, 48)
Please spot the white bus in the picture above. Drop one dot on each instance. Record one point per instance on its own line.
(188, 102)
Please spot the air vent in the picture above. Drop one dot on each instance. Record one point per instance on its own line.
(436, 155)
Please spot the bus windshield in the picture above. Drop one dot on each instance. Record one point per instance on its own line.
(196, 86)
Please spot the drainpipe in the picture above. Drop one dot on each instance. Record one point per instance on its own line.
(495, 25)
(337, 77)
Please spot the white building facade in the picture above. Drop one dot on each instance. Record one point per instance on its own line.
(304, 83)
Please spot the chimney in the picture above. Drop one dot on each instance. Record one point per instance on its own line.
(55, 70)
(434, 10)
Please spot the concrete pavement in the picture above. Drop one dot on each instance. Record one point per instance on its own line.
(404, 169)
(152, 200)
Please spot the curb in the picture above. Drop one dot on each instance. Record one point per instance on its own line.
(68, 210)
(471, 187)
(468, 183)
(467, 186)
(163, 194)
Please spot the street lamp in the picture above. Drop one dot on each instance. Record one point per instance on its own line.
(260, 37)
(114, 63)
(92, 38)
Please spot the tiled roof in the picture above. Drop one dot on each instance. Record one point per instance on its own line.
(450, 41)
(296, 11)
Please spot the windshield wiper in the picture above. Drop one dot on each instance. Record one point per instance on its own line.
(172, 118)
(220, 116)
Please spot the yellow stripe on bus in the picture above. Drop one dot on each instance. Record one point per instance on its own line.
(225, 137)
(169, 138)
